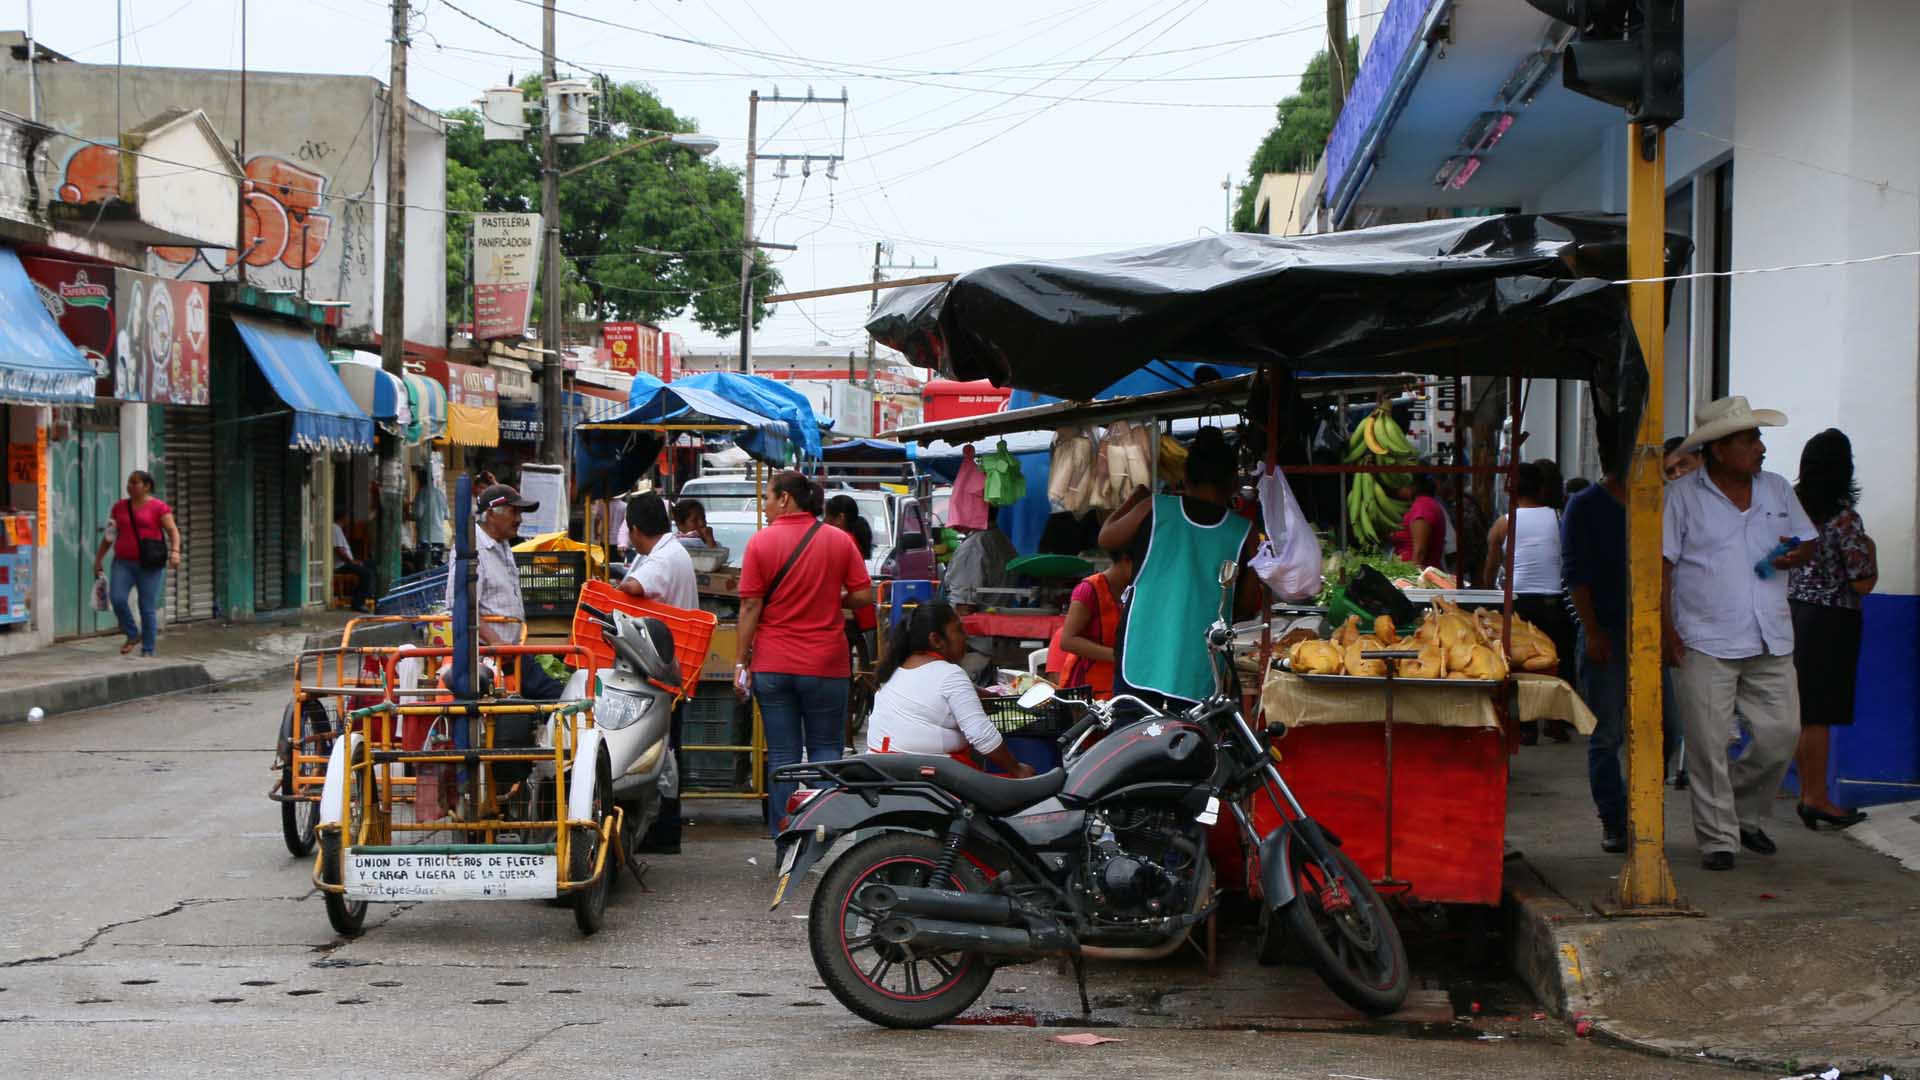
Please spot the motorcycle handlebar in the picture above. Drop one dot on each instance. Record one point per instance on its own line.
(1073, 733)
(595, 613)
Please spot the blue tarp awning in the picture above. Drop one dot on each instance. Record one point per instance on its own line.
(608, 460)
(766, 397)
(38, 365)
(868, 450)
(324, 415)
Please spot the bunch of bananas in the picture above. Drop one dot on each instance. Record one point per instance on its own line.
(1372, 511)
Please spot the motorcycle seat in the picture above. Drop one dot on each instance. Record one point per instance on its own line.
(993, 794)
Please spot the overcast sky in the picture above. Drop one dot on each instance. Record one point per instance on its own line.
(977, 132)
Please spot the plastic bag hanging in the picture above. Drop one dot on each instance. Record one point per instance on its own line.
(1288, 561)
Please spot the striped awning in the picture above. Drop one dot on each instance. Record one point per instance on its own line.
(381, 395)
(429, 401)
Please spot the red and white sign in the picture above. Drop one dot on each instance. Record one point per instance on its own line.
(637, 347)
(146, 336)
(506, 261)
(466, 384)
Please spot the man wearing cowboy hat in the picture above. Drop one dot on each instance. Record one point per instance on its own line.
(1727, 632)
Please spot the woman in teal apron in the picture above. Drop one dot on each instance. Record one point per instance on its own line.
(1178, 543)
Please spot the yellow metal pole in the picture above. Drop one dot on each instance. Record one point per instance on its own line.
(1646, 880)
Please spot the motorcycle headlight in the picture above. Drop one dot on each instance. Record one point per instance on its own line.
(615, 711)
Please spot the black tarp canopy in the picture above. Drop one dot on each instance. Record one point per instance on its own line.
(1528, 295)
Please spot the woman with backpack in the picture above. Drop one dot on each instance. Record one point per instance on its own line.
(145, 544)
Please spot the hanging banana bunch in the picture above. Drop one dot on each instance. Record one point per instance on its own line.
(1373, 513)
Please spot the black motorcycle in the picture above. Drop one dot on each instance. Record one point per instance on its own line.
(1104, 858)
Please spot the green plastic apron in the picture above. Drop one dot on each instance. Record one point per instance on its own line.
(1176, 597)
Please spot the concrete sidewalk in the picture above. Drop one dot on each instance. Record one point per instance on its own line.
(89, 673)
(1801, 961)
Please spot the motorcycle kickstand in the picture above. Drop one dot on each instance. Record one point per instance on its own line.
(1080, 980)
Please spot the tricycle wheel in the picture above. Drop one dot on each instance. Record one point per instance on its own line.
(583, 850)
(347, 916)
(1346, 931)
(298, 818)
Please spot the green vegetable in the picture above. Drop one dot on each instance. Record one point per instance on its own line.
(1341, 566)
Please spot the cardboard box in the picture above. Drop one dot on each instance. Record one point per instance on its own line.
(720, 652)
(718, 582)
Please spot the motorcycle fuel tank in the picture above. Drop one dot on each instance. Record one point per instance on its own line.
(1156, 749)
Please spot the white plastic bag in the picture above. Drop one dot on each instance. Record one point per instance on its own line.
(100, 600)
(1289, 560)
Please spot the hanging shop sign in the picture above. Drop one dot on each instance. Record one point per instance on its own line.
(520, 423)
(512, 379)
(506, 261)
(146, 336)
(473, 400)
(637, 347)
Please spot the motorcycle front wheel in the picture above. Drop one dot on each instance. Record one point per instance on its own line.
(1346, 931)
(890, 985)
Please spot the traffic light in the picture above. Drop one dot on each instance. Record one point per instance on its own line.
(1630, 53)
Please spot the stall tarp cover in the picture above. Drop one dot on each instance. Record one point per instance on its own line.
(1516, 294)
(609, 461)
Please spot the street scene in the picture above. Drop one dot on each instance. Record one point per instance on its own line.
(689, 539)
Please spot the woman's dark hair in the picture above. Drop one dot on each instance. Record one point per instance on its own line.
(1422, 484)
(1826, 485)
(804, 492)
(144, 477)
(843, 506)
(1530, 482)
(1210, 461)
(684, 510)
(1577, 485)
(647, 516)
(915, 635)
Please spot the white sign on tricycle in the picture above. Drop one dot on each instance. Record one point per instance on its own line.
(488, 876)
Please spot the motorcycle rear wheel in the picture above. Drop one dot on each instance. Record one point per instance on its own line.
(1347, 934)
(881, 983)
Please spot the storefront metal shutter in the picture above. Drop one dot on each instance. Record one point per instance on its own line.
(187, 484)
(273, 529)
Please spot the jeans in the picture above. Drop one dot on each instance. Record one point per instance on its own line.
(797, 710)
(128, 574)
(1604, 688)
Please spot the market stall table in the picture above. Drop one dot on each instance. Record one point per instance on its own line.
(1450, 753)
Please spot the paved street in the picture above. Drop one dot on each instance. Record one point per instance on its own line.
(156, 926)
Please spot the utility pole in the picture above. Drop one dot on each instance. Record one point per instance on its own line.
(553, 442)
(1340, 80)
(878, 246)
(393, 321)
(746, 246)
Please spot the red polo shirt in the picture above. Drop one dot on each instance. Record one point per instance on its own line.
(802, 631)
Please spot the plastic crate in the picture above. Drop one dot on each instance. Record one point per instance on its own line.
(550, 581)
(1049, 721)
(692, 630)
(414, 594)
(714, 717)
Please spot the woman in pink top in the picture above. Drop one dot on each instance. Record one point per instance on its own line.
(1422, 536)
(139, 518)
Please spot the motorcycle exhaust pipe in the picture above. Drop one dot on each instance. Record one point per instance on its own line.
(939, 935)
(950, 904)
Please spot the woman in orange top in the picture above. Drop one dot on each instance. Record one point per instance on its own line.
(1093, 622)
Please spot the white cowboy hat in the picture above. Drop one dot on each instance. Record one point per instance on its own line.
(1719, 419)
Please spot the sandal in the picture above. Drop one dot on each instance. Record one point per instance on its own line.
(129, 646)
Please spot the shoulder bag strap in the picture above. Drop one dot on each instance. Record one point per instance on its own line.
(780, 575)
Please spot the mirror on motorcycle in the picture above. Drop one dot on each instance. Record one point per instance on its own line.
(1037, 695)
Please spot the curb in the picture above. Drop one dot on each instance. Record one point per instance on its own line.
(75, 695)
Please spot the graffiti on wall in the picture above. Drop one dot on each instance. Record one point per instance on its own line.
(282, 223)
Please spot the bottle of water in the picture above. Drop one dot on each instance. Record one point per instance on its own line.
(1765, 569)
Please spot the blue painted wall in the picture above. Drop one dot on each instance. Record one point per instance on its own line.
(1882, 748)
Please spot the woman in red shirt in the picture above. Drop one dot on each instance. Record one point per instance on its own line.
(1093, 625)
(797, 576)
(139, 519)
(1422, 536)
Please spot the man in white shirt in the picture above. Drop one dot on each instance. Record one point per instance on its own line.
(1728, 634)
(345, 563)
(499, 509)
(663, 573)
(664, 570)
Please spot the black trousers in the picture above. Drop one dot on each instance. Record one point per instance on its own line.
(666, 828)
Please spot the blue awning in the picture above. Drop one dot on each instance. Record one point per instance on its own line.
(324, 415)
(38, 365)
(764, 396)
(607, 461)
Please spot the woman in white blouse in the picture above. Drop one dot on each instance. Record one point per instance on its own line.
(926, 703)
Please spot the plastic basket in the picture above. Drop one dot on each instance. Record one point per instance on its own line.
(692, 630)
(714, 717)
(414, 594)
(1050, 721)
(550, 581)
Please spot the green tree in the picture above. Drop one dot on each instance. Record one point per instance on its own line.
(649, 236)
(1299, 135)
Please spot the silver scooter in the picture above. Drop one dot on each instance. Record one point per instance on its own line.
(633, 710)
